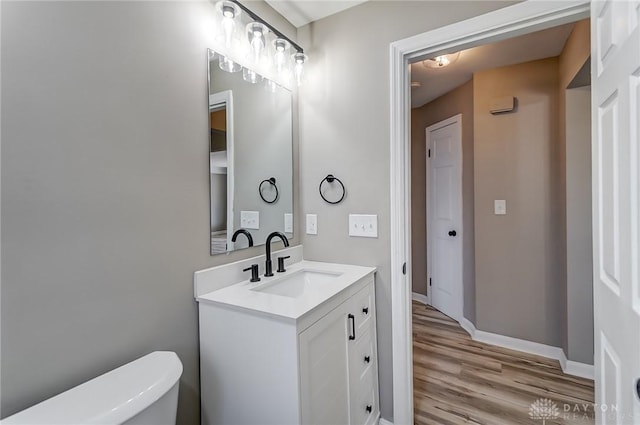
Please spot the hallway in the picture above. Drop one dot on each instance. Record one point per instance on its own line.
(461, 381)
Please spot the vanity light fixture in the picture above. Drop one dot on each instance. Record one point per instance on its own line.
(262, 40)
(230, 11)
(441, 61)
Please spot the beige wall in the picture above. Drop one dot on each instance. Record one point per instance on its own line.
(457, 101)
(105, 190)
(518, 286)
(344, 127)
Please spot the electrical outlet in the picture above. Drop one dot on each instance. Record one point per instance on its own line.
(312, 224)
(250, 219)
(288, 223)
(363, 225)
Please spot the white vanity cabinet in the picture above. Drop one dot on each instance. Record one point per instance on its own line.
(338, 364)
(317, 368)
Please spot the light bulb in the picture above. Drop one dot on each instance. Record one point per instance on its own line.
(280, 56)
(299, 59)
(442, 60)
(256, 34)
(229, 12)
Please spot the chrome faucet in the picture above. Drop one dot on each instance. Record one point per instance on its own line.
(268, 265)
(243, 232)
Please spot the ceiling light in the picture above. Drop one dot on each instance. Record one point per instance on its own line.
(441, 61)
(416, 84)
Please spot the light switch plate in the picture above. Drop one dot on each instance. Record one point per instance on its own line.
(288, 223)
(363, 225)
(250, 219)
(500, 207)
(312, 224)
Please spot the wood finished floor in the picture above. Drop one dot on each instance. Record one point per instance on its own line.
(460, 381)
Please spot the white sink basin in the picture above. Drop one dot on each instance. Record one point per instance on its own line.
(298, 283)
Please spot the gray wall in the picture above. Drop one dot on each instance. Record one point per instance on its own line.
(105, 190)
(457, 101)
(344, 126)
(579, 235)
(518, 286)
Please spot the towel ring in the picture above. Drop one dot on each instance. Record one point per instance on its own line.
(330, 179)
(272, 182)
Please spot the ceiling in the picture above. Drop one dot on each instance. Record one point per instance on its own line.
(436, 82)
(302, 12)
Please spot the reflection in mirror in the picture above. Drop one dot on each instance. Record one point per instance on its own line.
(251, 159)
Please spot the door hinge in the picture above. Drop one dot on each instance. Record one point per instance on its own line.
(429, 281)
(404, 268)
(429, 153)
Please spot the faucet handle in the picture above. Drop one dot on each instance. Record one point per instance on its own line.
(254, 273)
(281, 268)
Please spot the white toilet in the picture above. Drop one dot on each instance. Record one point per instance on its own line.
(144, 391)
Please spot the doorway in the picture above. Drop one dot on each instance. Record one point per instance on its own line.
(502, 24)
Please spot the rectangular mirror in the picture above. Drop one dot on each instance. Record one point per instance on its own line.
(251, 158)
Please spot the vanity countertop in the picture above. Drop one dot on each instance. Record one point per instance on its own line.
(258, 297)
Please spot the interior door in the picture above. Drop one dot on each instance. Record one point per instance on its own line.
(615, 53)
(444, 215)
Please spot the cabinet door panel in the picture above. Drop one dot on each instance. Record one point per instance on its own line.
(324, 370)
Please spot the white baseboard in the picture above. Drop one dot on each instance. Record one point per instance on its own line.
(384, 422)
(569, 367)
(581, 370)
(420, 298)
(468, 326)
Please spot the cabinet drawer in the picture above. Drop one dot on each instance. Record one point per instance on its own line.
(364, 307)
(364, 408)
(363, 355)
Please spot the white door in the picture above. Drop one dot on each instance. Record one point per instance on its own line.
(444, 216)
(615, 54)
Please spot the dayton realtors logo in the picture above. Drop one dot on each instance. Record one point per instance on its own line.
(543, 409)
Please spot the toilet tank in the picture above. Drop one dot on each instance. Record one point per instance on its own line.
(144, 391)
